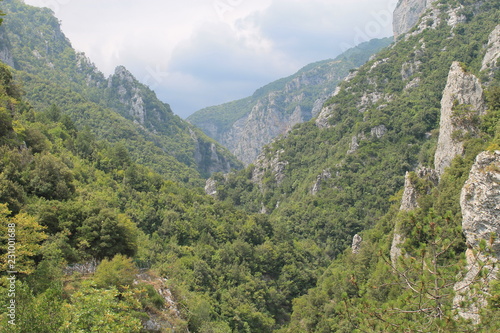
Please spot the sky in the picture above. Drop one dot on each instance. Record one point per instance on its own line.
(199, 53)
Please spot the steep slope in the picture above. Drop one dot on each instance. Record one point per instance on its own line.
(332, 177)
(246, 125)
(407, 14)
(34, 44)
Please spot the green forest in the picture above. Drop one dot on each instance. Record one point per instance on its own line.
(114, 232)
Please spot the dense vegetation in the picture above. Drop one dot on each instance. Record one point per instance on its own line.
(77, 193)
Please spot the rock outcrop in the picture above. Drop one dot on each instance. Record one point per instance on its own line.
(5, 54)
(480, 203)
(211, 187)
(357, 241)
(129, 94)
(428, 178)
(407, 14)
(169, 317)
(274, 164)
(462, 101)
(265, 122)
(320, 179)
(493, 51)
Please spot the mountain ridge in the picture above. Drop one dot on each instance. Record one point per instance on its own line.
(245, 126)
(40, 48)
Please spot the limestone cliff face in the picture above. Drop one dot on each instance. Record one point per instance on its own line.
(275, 164)
(493, 51)
(266, 121)
(480, 203)
(5, 54)
(407, 14)
(129, 94)
(462, 101)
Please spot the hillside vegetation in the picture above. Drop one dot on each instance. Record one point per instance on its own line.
(111, 239)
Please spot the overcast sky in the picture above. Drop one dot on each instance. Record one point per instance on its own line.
(198, 53)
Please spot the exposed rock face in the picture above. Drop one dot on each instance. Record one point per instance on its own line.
(493, 51)
(407, 14)
(319, 181)
(166, 319)
(356, 243)
(463, 91)
(211, 187)
(265, 122)
(378, 131)
(409, 202)
(480, 203)
(129, 93)
(396, 252)
(410, 194)
(274, 164)
(323, 118)
(5, 54)
(481, 271)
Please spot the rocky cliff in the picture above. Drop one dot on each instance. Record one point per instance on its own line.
(407, 14)
(480, 203)
(245, 126)
(490, 60)
(461, 104)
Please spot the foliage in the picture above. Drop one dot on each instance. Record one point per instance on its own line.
(82, 183)
(118, 272)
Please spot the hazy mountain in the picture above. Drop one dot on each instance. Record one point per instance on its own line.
(245, 126)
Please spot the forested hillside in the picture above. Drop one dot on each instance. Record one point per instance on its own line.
(379, 215)
(118, 108)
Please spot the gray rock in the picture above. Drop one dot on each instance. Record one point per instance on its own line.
(493, 51)
(407, 14)
(410, 194)
(461, 89)
(274, 164)
(480, 203)
(409, 202)
(211, 187)
(378, 131)
(319, 181)
(356, 243)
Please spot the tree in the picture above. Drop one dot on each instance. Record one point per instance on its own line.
(98, 310)
(51, 178)
(20, 238)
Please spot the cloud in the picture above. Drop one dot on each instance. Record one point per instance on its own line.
(197, 53)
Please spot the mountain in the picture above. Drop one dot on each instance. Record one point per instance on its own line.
(402, 160)
(245, 126)
(381, 214)
(118, 108)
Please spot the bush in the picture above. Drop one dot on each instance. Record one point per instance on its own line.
(118, 272)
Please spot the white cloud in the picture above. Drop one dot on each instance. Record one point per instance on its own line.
(197, 53)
